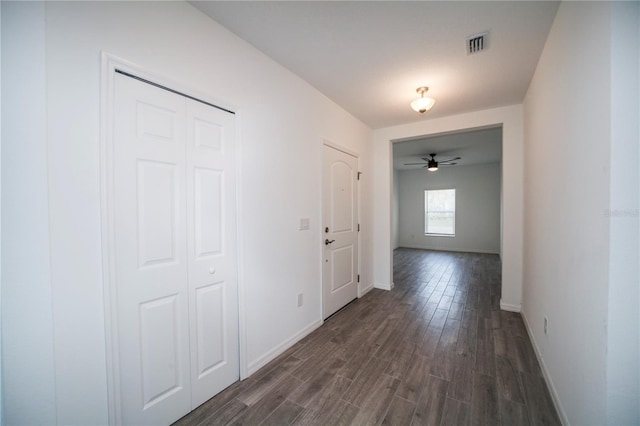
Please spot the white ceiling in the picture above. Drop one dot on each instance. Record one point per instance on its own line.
(370, 56)
(481, 146)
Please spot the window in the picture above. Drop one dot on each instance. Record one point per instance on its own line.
(440, 212)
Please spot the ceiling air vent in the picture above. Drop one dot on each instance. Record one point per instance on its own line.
(477, 43)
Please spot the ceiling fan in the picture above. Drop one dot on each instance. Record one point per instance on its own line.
(432, 164)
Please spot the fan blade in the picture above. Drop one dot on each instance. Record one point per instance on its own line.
(450, 160)
(447, 164)
(414, 164)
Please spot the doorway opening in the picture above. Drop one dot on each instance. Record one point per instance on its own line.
(474, 172)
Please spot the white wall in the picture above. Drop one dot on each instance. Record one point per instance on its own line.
(477, 208)
(581, 258)
(501, 213)
(623, 328)
(27, 339)
(59, 163)
(395, 228)
(510, 118)
(1, 390)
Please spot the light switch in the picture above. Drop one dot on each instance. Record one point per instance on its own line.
(304, 223)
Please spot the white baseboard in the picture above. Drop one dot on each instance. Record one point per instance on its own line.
(366, 290)
(545, 373)
(509, 307)
(384, 286)
(272, 354)
(449, 249)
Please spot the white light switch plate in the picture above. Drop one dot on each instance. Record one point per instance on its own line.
(304, 223)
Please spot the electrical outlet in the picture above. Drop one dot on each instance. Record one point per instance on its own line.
(300, 299)
(546, 325)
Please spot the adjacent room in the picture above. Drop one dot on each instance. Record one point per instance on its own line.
(467, 165)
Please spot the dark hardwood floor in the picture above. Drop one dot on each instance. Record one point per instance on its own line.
(435, 350)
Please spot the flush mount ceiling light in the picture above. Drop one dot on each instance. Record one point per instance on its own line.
(422, 104)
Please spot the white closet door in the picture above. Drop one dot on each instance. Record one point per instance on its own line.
(151, 253)
(175, 252)
(211, 213)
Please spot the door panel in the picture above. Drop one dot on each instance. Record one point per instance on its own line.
(342, 193)
(151, 256)
(210, 328)
(160, 333)
(156, 212)
(340, 242)
(208, 134)
(209, 193)
(342, 271)
(211, 226)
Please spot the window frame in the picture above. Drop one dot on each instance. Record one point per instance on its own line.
(426, 216)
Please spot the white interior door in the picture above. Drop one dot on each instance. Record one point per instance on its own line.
(340, 229)
(175, 266)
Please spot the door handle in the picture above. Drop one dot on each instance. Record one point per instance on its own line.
(328, 241)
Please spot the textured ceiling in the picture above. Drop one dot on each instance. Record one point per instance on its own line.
(370, 56)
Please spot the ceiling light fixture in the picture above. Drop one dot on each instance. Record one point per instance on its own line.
(422, 104)
(432, 165)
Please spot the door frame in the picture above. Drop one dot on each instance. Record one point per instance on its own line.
(330, 144)
(109, 64)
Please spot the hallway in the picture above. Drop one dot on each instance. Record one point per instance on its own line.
(435, 350)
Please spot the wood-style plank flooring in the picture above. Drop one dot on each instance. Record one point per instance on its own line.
(435, 350)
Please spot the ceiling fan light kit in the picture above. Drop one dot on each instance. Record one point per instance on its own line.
(422, 104)
(432, 164)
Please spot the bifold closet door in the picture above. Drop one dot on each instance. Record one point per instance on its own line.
(175, 282)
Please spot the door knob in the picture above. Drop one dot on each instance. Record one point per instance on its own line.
(328, 241)
(212, 270)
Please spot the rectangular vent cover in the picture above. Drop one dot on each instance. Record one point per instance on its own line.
(477, 43)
